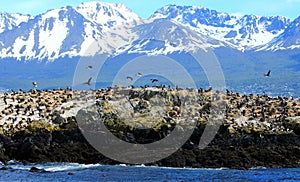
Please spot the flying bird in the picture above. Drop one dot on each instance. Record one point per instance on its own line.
(34, 84)
(154, 80)
(139, 74)
(89, 81)
(129, 78)
(267, 74)
(89, 67)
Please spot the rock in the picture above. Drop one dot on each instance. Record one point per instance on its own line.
(70, 173)
(293, 123)
(240, 144)
(58, 119)
(36, 170)
(5, 168)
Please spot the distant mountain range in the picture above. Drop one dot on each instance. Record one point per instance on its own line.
(97, 27)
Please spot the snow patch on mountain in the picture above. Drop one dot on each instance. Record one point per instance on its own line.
(289, 39)
(107, 14)
(9, 21)
(165, 37)
(244, 31)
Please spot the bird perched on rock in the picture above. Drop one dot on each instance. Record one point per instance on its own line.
(209, 89)
(4, 100)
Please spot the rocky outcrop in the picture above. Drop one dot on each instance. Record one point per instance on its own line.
(141, 118)
(293, 123)
(226, 150)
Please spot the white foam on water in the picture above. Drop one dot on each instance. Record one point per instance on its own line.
(55, 167)
(176, 168)
(68, 166)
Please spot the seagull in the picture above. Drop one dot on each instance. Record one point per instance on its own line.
(129, 78)
(89, 67)
(88, 82)
(34, 84)
(139, 74)
(154, 80)
(267, 74)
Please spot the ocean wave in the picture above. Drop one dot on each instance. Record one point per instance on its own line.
(258, 167)
(177, 168)
(54, 167)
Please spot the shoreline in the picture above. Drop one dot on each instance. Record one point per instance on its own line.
(279, 151)
(44, 166)
(241, 142)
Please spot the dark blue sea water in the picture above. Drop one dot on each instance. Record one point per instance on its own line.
(96, 172)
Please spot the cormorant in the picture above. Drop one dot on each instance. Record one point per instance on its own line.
(267, 74)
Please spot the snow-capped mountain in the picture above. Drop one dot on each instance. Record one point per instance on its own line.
(107, 14)
(98, 27)
(165, 37)
(79, 31)
(10, 21)
(289, 39)
(244, 31)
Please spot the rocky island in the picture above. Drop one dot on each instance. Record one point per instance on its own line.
(51, 125)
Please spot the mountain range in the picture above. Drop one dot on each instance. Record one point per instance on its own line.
(98, 27)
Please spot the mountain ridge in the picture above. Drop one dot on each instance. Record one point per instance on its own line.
(97, 27)
(245, 31)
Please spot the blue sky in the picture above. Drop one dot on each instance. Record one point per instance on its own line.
(144, 8)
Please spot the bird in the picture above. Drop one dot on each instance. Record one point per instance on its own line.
(154, 80)
(139, 74)
(129, 78)
(34, 84)
(89, 67)
(88, 82)
(209, 89)
(267, 74)
(4, 99)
